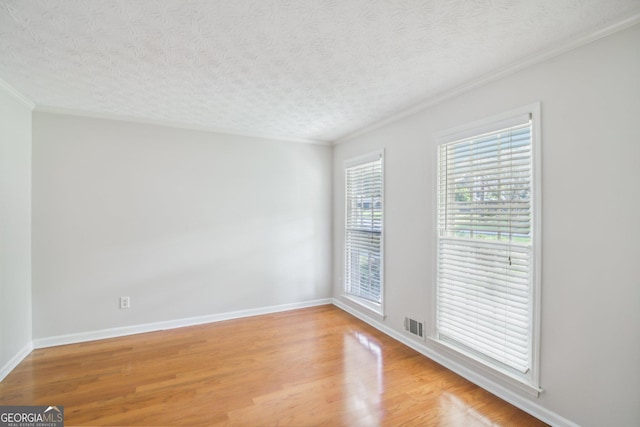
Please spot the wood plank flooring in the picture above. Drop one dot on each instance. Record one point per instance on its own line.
(312, 367)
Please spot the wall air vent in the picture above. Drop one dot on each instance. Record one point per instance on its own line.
(414, 327)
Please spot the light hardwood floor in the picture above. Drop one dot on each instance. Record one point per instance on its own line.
(313, 367)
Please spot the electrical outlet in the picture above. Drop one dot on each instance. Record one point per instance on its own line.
(125, 302)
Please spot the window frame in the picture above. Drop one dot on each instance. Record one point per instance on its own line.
(529, 382)
(375, 307)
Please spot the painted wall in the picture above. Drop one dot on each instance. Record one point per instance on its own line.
(186, 223)
(15, 230)
(590, 99)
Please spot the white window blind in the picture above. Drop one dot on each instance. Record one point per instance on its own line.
(363, 229)
(485, 246)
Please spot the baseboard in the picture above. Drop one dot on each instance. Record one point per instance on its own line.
(15, 360)
(493, 387)
(170, 324)
(515, 399)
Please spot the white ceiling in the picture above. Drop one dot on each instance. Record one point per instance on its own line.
(315, 70)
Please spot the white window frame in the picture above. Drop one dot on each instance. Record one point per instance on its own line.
(375, 307)
(529, 381)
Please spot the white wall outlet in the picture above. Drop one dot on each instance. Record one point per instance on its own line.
(125, 302)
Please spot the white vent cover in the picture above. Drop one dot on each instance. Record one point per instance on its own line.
(414, 327)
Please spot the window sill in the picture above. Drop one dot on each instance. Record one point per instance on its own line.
(485, 368)
(374, 310)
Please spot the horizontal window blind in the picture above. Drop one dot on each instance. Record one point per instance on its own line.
(484, 278)
(363, 233)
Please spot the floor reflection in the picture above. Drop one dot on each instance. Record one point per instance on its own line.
(363, 380)
(456, 412)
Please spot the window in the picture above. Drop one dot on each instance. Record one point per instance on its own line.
(363, 230)
(487, 245)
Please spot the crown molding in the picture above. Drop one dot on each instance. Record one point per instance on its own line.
(175, 125)
(16, 94)
(526, 62)
(571, 44)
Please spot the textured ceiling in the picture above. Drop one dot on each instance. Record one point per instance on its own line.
(298, 69)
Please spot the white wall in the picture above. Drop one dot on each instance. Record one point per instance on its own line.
(15, 230)
(590, 99)
(186, 223)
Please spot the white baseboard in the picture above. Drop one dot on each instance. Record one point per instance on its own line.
(15, 360)
(515, 399)
(170, 324)
(491, 386)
